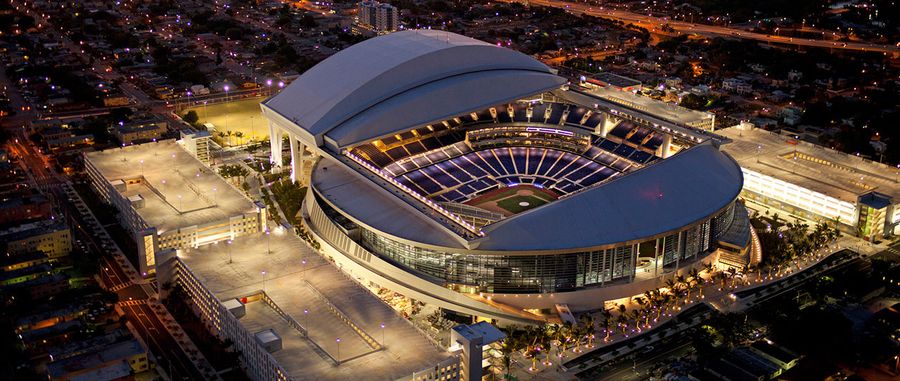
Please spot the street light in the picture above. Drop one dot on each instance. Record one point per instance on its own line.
(226, 101)
(306, 320)
(264, 281)
(251, 128)
(303, 271)
(338, 350)
(268, 242)
(383, 345)
(229, 251)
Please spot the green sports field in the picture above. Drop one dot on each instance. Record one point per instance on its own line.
(513, 200)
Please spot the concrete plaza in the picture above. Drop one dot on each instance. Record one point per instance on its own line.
(292, 275)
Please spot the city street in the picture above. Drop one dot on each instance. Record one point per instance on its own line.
(171, 359)
(652, 23)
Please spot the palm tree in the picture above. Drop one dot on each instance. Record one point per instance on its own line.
(694, 277)
(622, 322)
(531, 351)
(681, 284)
(589, 324)
(607, 317)
(240, 136)
(507, 347)
(567, 331)
(642, 303)
(664, 300)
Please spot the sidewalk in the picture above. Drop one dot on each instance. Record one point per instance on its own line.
(724, 300)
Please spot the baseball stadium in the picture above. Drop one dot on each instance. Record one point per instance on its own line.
(475, 178)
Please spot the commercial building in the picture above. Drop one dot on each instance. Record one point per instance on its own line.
(378, 17)
(167, 198)
(815, 183)
(24, 205)
(472, 178)
(140, 131)
(119, 360)
(329, 328)
(51, 237)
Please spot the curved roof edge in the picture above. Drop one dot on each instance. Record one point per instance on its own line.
(377, 69)
(441, 100)
(694, 184)
(673, 193)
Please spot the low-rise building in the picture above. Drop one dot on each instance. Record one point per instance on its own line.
(38, 289)
(109, 359)
(24, 205)
(140, 131)
(52, 237)
(20, 261)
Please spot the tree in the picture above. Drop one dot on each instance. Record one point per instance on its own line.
(191, 117)
(587, 320)
(607, 324)
(693, 101)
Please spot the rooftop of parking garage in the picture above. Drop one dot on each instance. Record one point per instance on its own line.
(178, 190)
(281, 256)
(816, 168)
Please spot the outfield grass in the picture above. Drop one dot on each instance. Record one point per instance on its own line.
(512, 204)
(499, 194)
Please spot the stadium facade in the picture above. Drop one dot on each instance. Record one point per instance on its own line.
(474, 178)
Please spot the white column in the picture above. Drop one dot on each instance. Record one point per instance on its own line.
(275, 143)
(664, 148)
(609, 122)
(296, 158)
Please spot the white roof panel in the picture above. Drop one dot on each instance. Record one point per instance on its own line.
(355, 79)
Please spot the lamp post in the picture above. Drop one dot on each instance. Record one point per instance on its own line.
(264, 281)
(226, 101)
(268, 242)
(338, 350)
(383, 345)
(229, 250)
(303, 270)
(306, 320)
